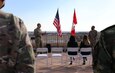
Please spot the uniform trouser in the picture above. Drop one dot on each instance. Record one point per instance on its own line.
(92, 46)
(38, 42)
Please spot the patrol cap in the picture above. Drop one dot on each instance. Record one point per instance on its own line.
(2, 3)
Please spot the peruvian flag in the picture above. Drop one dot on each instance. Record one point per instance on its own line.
(74, 23)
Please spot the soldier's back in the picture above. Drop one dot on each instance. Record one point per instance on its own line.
(104, 55)
(6, 42)
(16, 51)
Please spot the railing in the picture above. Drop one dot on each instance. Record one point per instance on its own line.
(54, 40)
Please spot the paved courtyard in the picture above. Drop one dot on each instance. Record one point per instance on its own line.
(57, 67)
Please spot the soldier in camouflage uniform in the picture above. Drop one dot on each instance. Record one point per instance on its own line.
(16, 52)
(92, 36)
(104, 55)
(38, 36)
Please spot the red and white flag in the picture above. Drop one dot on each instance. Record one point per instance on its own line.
(56, 23)
(74, 23)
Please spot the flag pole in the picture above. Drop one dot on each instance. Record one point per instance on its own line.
(57, 41)
(57, 34)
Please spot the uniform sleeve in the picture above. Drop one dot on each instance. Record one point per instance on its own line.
(26, 58)
(37, 32)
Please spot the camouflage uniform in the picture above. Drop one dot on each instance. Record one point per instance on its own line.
(16, 52)
(92, 37)
(38, 36)
(104, 55)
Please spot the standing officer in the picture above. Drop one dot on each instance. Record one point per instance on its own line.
(92, 36)
(38, 36)
(16, 51)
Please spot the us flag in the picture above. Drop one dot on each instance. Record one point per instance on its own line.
(56, 23)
